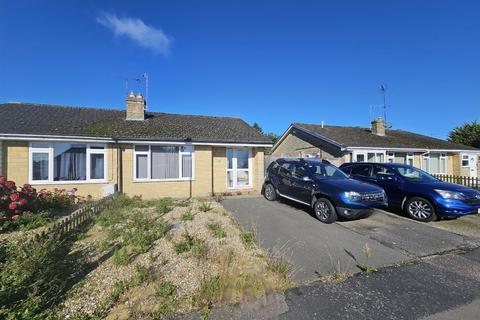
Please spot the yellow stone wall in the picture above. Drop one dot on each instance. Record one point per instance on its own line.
(204, 183)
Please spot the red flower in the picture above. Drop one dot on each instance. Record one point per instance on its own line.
(12, 206)
(22, 201)
(10, 184)
(2, 179)
(14, 196)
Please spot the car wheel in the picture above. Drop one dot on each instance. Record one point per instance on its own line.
(325, 211)
(270, 193)
(420, 209)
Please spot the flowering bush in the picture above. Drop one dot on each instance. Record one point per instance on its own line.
(14, 201)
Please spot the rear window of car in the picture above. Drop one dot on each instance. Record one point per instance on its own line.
(361, 170)
(380, 172)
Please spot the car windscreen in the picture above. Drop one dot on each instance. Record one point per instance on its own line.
(414, 175)
(325, 171)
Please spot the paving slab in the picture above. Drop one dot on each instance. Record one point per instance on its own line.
(313, 247)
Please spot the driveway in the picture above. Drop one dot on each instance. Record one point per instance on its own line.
(317, 249)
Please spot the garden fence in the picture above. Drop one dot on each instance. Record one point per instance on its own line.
(76, 219)
(466, 181)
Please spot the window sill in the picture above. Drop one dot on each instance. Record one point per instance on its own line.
(33, 183)
(240, 188)
(161, 180)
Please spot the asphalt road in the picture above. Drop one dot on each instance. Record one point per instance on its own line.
(317, 249)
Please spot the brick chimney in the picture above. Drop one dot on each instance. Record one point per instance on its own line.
(135, 107)
(378, 127)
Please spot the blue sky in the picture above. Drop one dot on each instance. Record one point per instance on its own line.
(271, 62)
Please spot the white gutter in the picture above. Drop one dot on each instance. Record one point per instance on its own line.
(33, 137)
(413, 149)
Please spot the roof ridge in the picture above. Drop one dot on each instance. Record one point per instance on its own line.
(111, 109)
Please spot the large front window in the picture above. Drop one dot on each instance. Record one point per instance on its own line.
(67, 162)
(435, 163)
(163, 162)
(239, 173)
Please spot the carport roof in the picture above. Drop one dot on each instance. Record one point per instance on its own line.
(363, 137)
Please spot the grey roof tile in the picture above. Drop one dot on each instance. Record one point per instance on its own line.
(39, 119)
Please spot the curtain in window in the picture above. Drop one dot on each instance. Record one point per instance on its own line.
(142, 166)
(97, 166)
(165, 164)
(187, 166)
(40, 166)
(434, 162)
(70, 162)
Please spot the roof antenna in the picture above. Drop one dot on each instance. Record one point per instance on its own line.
(383, 90)
(145, 76)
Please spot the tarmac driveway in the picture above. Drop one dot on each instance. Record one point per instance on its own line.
(317, 249)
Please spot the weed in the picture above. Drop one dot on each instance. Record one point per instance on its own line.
(248, 239)
(367, 268)
(205, 313)
(183, 203)
(165, 289)
(110, 217)
(186, 216)
(121, 257)
(208, 292)
(217, 230)
(140, 274)
(205, 206)
(164, 205)
(119, 288)
(279, 265)
(141, 232)
(165, 309)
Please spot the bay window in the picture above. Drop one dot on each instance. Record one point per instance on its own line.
(239, 168)
(67, 162)
(158, 162)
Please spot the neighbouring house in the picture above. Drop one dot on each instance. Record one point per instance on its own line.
(99, 151)
(341, 144)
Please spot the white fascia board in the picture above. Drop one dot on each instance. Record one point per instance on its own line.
(33, 137)
(413, 149)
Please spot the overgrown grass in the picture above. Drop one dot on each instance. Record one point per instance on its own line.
(186, 216)
(248, 239)
(205, 206)
(140, 274)
(121, 257)
(164, 205)
(217, 230)
(189, 243)
(27, 221)
(278, 264)
(165, 289)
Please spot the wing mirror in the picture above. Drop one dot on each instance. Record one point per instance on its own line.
(307, 179)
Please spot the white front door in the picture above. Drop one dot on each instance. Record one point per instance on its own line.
(472, 163)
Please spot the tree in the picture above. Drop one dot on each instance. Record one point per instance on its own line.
(257, 127)
(467, 134)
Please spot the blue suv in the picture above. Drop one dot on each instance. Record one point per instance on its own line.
(323, 187)
(421, 196)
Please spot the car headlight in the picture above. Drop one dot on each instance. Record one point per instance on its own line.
(352, 195)
(450, 194)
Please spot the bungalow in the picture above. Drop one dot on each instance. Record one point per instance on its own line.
(99, 151)
(354, 144)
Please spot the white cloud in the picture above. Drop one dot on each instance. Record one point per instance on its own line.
(144, 35)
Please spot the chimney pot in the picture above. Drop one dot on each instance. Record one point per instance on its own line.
(378, 127)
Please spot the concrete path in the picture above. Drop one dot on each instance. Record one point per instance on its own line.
(317, 249)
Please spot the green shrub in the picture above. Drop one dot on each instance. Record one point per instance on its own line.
(164, 205)
(140, 274)
(141, 232)
(186, 216)
(119, 288)
(34, 276)
(121, 257)
(26, 221)
(248, 239)
(205, 206)
(191, 244)
(110, 217)
(217, 230)
(165, 289)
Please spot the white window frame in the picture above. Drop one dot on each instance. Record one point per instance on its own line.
(49, 149)
(234, 169)
(409, 156)
(149, 163)
(365, 155)
(462, 158)
(390, 157)
(443, 156)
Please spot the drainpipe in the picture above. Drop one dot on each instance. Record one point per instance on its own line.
(119, 167)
